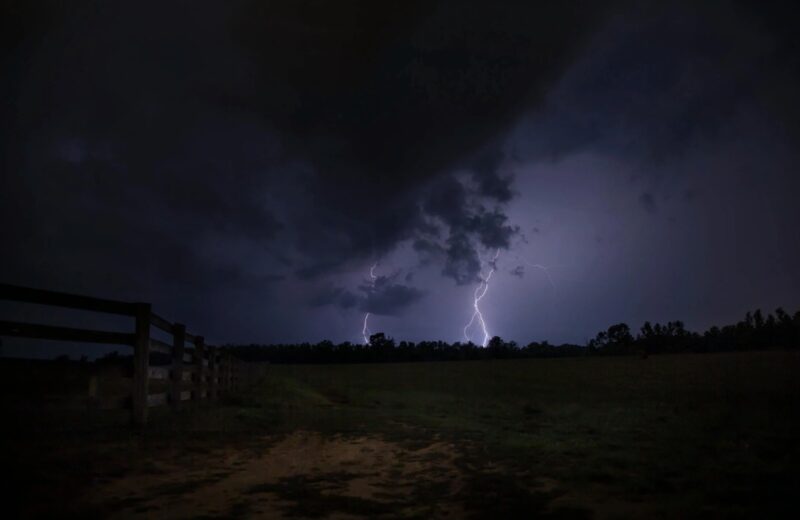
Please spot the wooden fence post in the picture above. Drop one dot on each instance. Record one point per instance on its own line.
(226, 372)
(92, 402)
(213, 370)
(200, 369)
(176, 381)
(141, 364)
(223, 366)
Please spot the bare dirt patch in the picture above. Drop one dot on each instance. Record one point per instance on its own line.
(304, 474)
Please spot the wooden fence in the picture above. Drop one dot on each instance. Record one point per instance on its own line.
(197, 371)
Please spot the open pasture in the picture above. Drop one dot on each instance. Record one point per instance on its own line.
(669, 436)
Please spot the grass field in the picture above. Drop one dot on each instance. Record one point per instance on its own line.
(671, 436)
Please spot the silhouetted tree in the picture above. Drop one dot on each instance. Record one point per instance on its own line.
(754, 331)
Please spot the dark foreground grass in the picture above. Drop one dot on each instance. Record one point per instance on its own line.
(675, 434)
(669, 436)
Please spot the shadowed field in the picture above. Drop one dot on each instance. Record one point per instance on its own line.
(670, 436)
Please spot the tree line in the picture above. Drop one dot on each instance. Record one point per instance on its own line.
(754, 332)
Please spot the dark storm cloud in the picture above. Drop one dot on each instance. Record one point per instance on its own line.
(124, 164)
(388, 298)
(392, 93)
(518, 271)
(384, 297)
(492, 229)
(158, 149)
(246, 154)
(336, 296)
(780, 62)
(470, 226)
(486, 173)
(428, 251)
(667, 78)
(372, 101)
(381, 99)
(648, 202)
(461, 263)
(447, 200)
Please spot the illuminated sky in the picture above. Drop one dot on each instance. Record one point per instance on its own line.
(242, 166)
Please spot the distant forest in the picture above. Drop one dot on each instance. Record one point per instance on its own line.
(754, 332)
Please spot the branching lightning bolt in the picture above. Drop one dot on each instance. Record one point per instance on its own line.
(477, 296)
(365, 329)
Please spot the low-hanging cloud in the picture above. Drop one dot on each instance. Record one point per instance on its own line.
(384, 297)
(292, 142)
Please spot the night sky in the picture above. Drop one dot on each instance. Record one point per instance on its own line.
(243, 165)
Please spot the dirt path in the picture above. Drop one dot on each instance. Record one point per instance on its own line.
(301, 475)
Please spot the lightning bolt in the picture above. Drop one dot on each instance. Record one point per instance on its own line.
(477, 296)
(365, 329)
(539, 266)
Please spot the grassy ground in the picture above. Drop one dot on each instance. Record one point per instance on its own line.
(669, 436)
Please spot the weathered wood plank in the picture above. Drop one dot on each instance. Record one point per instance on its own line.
(109, 403)
(198, 374)
(156, 400)
(115, 403)
(178, 338)
(160, 346)
(224, 364)
(158, 372)
(160, 323)
(141, 363)
(213, 370)
(31, 330)
(60, 299)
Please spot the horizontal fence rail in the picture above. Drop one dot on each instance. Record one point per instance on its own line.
(194, 373)
(31, 330)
